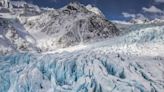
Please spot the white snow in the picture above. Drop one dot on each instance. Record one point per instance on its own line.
(94, 9)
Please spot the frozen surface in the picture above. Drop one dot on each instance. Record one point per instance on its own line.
(81, 71)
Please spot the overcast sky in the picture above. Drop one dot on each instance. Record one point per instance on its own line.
(115, 9)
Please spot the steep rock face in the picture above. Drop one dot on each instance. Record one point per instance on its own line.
(71, 25)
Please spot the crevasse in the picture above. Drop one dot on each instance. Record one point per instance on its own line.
(84, 71)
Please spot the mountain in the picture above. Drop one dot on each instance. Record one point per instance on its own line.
(69, 26)
(75, 49)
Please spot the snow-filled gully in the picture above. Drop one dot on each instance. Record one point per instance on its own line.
(81, 71)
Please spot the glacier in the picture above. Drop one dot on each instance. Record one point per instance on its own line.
(129, 63)
(80, 71)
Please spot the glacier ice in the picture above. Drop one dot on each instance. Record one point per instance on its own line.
(84, 71)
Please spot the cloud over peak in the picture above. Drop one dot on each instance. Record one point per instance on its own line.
(159, 1)
(152, 9)
(128, 15)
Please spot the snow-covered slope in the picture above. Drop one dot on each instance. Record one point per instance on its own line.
(13, 36)
(94, 10)
(71, 25)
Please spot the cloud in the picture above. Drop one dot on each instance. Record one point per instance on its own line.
(159, 1)
(128, 15)
(152, 9)
(148, 14)
(161, 17)
(141, 16)
(134, 16)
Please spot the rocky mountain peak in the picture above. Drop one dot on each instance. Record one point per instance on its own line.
(68, 26)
